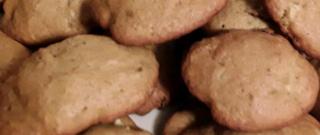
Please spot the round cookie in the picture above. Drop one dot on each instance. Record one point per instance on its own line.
(144, 22)
(114, 130)
(252, 81)
(37, 22)
(11, 56)
(84, 80)
(299, 19)
(239, 14)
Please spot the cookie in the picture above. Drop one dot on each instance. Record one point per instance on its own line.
(84, 80)
(252, 81)
(114, 130)
(37, 22)
(299, 20)
(11, 56)
(239, 14)
(191, 122)
(145, 22)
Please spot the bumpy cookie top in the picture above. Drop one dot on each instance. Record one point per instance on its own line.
(34, 22)
(251, 80)
(74, 83)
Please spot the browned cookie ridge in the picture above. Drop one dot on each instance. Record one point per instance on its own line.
(84, 80)
(300, 20)
(252, 81)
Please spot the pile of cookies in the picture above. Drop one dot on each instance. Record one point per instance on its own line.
(227, 67)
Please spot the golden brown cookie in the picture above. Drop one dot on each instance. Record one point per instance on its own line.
(84, 80)
(12, 54)
(193, 125)
(299, 19)
(34, 22)
(144, 22)
(114, 130)
(252, 81)
(239, 14)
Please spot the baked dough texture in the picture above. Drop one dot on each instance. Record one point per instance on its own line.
(84, 80)
(252, 81)
(38, 22)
